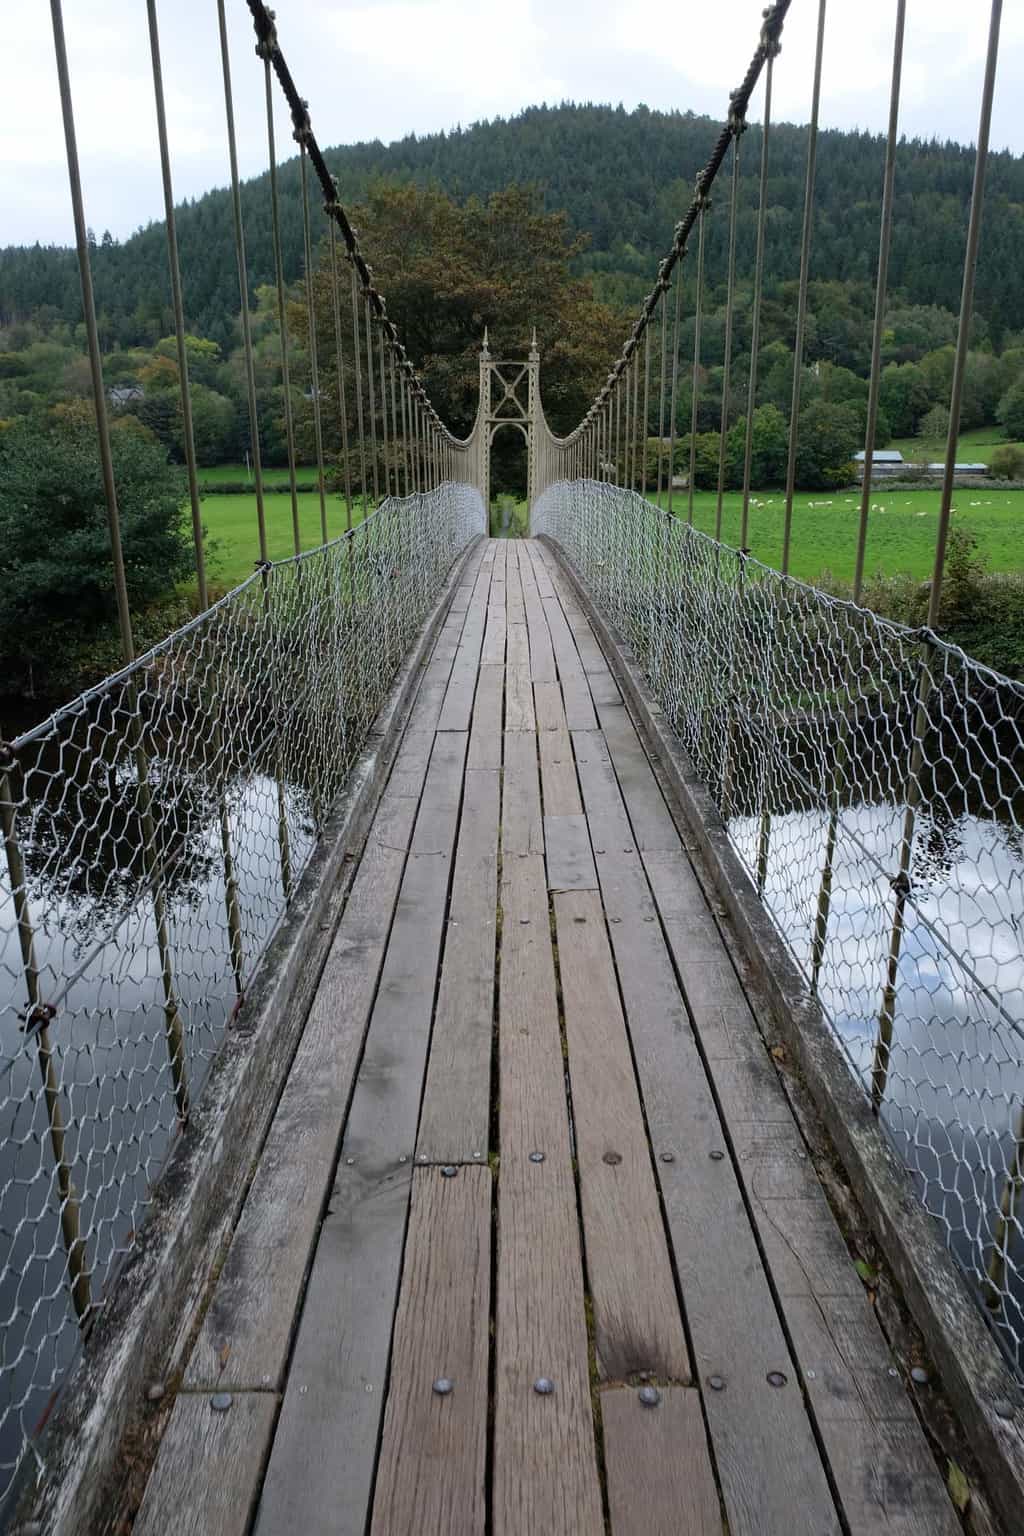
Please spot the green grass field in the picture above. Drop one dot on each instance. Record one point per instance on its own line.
(901, 532)
(974, 447)
(901, 536)
(230, 524)
(237, 474)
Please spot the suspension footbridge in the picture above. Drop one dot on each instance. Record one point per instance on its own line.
(516, 1034)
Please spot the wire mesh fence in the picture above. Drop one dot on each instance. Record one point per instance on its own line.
(872, 782)
(154, 831)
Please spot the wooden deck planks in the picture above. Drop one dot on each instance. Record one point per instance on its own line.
(521, 757)
(769, 1470)
(208, 1472)
(886, 1480)
(637, 1324)
(660, 1481)
(454, 1122)
(557, 767)
(545, 1469)
(432, 1467)
(322, 1464)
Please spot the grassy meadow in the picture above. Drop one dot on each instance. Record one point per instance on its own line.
(901, 535)
(976, 447)
(901, 531)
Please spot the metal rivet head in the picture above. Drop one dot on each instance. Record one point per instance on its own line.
(350, 1161)
(716, 1383)
(668, 1157)
(423, 1157)
(615, 919)
(154, 1392)
(811, 1375)
(403, 1159)
(449, 1171)
(442, 1386)
(716, 1157)
(775, 1379)
(893, 1371)
(536, 1157)
(220, 1402)
(543, 1386)
(920, 1376)
(612, 1158)
(649, 1396)
(478, 1154)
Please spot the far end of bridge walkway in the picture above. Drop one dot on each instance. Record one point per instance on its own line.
(535, 1244)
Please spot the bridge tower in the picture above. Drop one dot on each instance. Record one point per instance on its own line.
(510, 397)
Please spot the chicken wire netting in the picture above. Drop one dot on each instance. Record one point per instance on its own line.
(155, 831)
(871, 779)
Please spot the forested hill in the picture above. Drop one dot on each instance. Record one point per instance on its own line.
(623, 178)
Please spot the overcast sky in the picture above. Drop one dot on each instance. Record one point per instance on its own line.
(385, 68)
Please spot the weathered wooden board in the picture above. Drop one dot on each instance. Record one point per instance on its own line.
(545, 1471)
(432, 1466)
(569, 858)
(454, 1122)
(208, 1470)
(245, 1336)
(637, 1325)
(458, 700)
(493, 650)
(521, 830)
(653, 826)
(519, 714)
(321, 1466)
(485, 733)
(542, 657)
(540, 570)
(806, 1257)
(769, 1468)
(660, 1481)
(557, 766)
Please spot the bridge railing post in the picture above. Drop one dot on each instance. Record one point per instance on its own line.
(37, 1019)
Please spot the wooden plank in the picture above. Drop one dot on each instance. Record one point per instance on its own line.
(885, 1476)
(519, 715)
(321, 1466)
(208, 1470)
(517, 643)
(455, 1119)
(769, 1468)
(521, 830)
(540, 570)
(542, 657)
(485, 734)
(458, 700)
(557, 766)
(545, 1470)
(431, 1471)
(660, 1481)
(653, 826)
(579, 705)
(637, 1326)
(246, 1332)
(603, 690)
(493, 650)
(569, 859)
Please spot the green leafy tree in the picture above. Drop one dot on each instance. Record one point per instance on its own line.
(827, 440)
(1007, 461)
(934, 424)
(56, 579)
(1010, 411)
